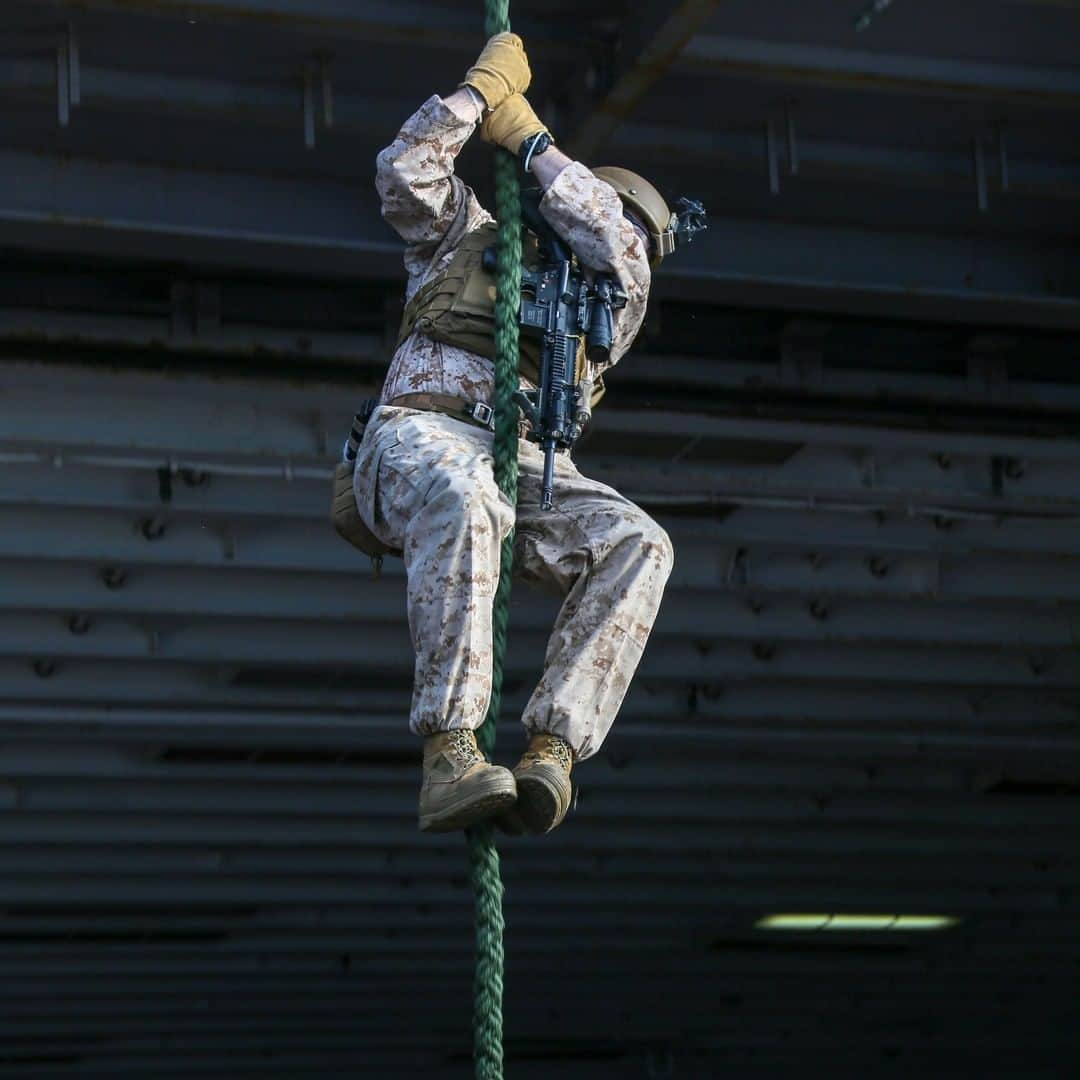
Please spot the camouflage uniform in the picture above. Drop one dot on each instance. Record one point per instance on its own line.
(424, 481)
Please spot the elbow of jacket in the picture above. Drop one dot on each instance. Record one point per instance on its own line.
(388, 170)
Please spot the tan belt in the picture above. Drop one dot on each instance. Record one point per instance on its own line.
(472, 412)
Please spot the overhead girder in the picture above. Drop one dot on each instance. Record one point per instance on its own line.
(945, 78)
(651, 42)
(404, 22)
(274, 107)
(324, 228)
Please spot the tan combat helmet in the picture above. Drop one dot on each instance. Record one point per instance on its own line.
(648, 204)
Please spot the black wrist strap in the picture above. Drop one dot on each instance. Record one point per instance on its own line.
(532, 147)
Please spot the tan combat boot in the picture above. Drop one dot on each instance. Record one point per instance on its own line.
(460, 787)
(544, 792)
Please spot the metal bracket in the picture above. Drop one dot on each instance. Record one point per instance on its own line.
(68, 74)
(482, 413)
(317, 69)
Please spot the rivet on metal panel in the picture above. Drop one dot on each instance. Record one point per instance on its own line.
(819, 610)
(113, 577)
(79, 624)
(877, 566)
(943, 461)
(44, 669)
(1014, 468)
(763, 651)
(153, 528)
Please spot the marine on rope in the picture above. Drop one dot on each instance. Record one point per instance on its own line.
(424, 483)
(432, 469)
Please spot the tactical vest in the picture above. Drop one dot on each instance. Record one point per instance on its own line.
(457, 307)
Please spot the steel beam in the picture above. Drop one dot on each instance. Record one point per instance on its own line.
(406, 23)
(128, 208)
(323, 228)
(847, 161)
(296, 600)
(832, 836)
(265, 104)
(269, 654)
(849, 69)
(254, 430)
(654, 39)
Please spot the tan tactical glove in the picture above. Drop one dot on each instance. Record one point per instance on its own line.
(511, 124)
(502, 69)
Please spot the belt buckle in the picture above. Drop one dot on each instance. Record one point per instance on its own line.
(482, 413)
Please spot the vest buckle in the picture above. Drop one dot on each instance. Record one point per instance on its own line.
(482, 413)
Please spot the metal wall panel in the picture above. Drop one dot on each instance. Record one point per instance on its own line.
(208, 789)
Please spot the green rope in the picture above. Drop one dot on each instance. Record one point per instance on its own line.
(483, 855)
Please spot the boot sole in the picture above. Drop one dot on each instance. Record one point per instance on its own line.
(541, 804)
(479, 806)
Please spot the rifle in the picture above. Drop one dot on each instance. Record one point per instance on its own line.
(560, 304)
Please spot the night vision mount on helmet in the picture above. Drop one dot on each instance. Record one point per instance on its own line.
(666, 230)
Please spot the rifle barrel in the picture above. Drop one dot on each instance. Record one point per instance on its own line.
(549, 475)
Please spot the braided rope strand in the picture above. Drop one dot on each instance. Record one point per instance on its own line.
(483, 855)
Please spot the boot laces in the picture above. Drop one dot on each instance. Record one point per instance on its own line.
(556, 748)
(462, 744)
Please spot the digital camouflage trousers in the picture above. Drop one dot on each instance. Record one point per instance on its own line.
(424, 484)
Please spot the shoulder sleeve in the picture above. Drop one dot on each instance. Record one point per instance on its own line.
(421, 197)
(587, 213)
